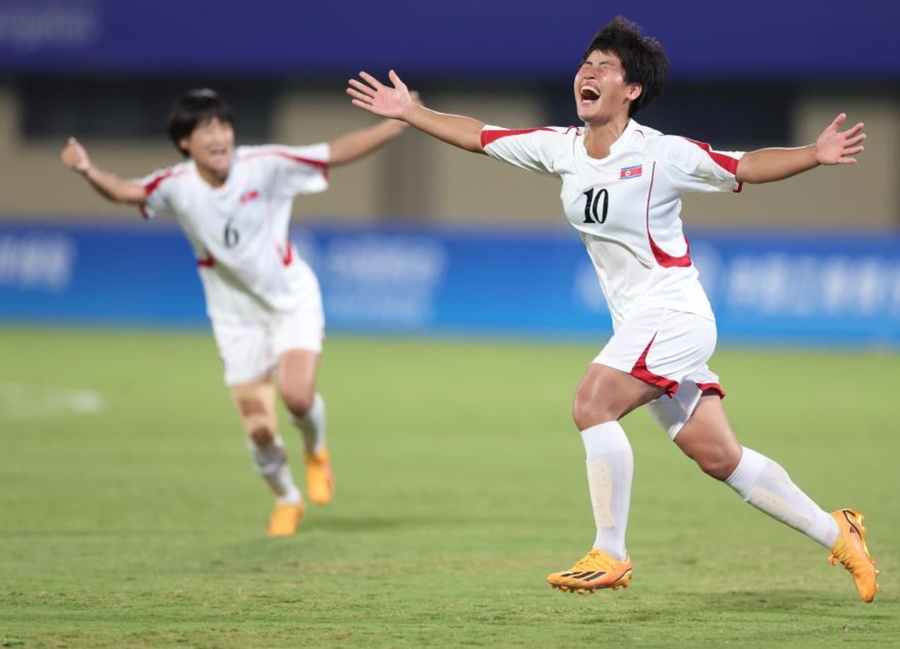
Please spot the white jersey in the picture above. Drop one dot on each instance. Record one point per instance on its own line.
(626, 207)
(239, 232)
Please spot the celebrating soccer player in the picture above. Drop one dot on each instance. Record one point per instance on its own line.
(234, 206)
(622, 184)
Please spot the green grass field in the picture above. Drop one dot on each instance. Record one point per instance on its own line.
(130, 516)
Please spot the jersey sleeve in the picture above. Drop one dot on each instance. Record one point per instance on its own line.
(696, 166)
(532, 149)
(157, 187)
(299, 169)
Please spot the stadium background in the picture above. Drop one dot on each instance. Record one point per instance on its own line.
(399, 238)
(129, 516)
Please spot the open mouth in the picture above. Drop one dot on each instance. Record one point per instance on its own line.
(589, 94)
(218, 153)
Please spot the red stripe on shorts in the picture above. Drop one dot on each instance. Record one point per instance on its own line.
(715, 387)
(642, 372)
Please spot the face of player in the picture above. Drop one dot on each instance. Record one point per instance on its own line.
(211, 145)
(601, 92)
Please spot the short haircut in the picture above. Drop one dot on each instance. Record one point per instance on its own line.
(643, 58)
(197, 107)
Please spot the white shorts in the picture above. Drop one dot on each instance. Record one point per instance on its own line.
(250, 350)
(668, 349)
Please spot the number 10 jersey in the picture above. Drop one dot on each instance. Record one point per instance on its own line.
(627, 206)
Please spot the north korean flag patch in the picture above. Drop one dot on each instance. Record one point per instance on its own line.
(631, 172)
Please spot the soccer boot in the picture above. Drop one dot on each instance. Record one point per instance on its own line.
(285, 519)
(850, 549)
(319, 477)
(594, 570)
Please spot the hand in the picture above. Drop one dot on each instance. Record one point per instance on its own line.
(380, 99)
(75, 157)
(839, 147)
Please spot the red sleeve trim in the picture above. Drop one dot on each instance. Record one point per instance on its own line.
(152, 185)
(725, 161)
(492, 135)
(155, 182)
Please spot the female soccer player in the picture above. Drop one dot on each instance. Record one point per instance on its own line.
(234, 206)
(621, 190)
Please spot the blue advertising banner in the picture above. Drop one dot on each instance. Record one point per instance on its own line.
(705, 39)
(765, 288)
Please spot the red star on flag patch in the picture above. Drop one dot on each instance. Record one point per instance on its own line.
(630, 172)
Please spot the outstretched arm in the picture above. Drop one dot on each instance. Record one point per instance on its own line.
(357, 144)
(398, 103)
(832, 147)
(107, 185)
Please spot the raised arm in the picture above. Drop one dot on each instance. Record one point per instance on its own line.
(354, 145)
(397, 102)
(831, 147)
(107, 185)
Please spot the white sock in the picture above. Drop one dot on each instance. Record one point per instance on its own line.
(610, 468)
(271, 462)
(766, 485)
(312, 425)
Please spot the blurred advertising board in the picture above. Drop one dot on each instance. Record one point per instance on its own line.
(768, 288)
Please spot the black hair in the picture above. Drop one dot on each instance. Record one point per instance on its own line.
(643, 58)
(197, 107)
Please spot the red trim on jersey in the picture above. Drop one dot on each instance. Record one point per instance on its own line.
(640, 371)
(715, 387)
(662, 257)
(489, 135)
(206, 262)
(295, 158)
(152, 186)
(154, 183)
(287, 257)
(725, 161)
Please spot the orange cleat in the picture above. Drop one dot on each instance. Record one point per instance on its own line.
(285, 519)
(850, 549)
(593, 571)
(319, 477)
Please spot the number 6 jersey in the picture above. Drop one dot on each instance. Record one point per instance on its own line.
(626, 206)
(239, 232)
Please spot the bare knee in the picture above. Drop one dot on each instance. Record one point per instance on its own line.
(606, 394)
(254, 413)
(707, 439)
(591, 411)
(298, 401)
(262, 436)
(718, 461)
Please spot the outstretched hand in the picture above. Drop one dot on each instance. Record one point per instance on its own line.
(834, 146)
(380, 99)
(74, 156)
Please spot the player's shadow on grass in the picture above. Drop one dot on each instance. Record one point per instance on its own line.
(356, 524)
(776, 602)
